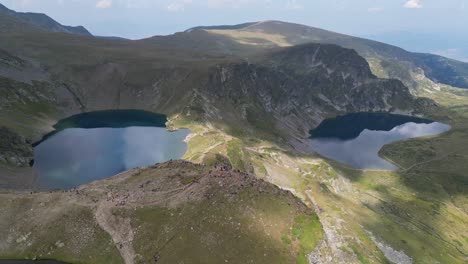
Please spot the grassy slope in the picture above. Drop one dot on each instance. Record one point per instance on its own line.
(51, 226)
(25, 106)
(175, 212)
(421, 211)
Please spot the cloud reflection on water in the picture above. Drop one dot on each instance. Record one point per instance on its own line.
(76, 156)
(362, 152)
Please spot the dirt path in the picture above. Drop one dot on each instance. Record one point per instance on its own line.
(119, 229)
(427, 161)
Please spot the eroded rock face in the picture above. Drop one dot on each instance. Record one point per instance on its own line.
(295, 88)
(14, 149)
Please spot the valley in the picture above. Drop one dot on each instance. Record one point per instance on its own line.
(249, 188)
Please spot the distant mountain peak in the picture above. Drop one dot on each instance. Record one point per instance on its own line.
(3, 8)
(43, 21)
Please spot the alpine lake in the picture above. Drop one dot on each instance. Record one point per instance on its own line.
(355, 139)
(95, 145)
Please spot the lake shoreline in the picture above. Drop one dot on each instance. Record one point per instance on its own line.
(356, 139)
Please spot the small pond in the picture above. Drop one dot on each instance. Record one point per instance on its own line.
(96, 145)
(355, 139)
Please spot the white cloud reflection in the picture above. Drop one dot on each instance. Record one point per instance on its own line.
(362, 152)
(143, 146)
(76, 156)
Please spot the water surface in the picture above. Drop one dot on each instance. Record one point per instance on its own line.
(73, 156)
(356, 139)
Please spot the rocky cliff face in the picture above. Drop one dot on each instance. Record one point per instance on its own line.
(294, 89)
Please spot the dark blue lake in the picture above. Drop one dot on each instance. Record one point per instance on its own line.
(356, 139)
(97, 145)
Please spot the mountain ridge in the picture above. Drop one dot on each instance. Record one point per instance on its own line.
(437, 68)
(45, 22)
